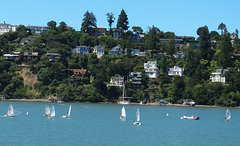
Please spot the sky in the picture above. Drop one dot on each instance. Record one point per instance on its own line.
(183, 17)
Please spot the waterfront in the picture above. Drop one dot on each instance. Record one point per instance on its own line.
(99, 124)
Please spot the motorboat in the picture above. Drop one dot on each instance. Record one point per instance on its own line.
(190, 118)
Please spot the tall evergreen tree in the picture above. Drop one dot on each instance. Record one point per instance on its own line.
(163, 63)
(123, 20)
(204, 40)
(226, 50)
(171, 46)
(89, 21)
(152, 38)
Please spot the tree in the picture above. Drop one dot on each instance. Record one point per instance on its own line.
(152, 38)
(137, 29)
(226, 50)
(222, 27)
(123, 20)
(89, 21)
(171, 46)
(110, 19)
(62, 27)
(52, 25)
(163, 63)
(204, 40)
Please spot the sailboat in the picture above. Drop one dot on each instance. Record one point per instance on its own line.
(123, 113)
(47, 111)
(137, 122)
(10, 112)
(228, 115)
(69, 113)
(52, 112)
(124, 101)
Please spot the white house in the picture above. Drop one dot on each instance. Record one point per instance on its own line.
(99, 50)
(151, 69)
(11, 56)
(176, 71)
(7, 28)
(219, 76)
(117, 50)
(117, 80)
(81, 50)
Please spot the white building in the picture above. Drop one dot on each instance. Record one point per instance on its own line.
(117, 80)
(219, 76)
(151, 69)
(99, 50)
(176, 71)
(11, 56)
(7, 28)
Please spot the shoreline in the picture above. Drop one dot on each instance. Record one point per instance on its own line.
(148, 104)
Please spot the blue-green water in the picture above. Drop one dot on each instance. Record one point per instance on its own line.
(99, 124)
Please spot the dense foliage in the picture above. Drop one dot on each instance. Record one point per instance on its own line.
(53, 78)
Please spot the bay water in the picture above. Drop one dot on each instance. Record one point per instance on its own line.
(100, 124)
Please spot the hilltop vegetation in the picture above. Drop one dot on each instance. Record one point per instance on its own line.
(213, 52)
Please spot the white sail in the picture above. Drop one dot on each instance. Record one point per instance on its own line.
(10, 110)
(228, 115)
(52, 113)
(47, 110)
(69, 111)
(138, 115)
(123, 112)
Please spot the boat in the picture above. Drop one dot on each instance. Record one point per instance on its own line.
(69, 113)
(10, 112)
(190, 118)
(123, 113)
(52, 112)
(47, 111)
(137, 122)
(125, 100)
(228, 115)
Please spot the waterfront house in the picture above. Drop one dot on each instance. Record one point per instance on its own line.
(117, 50)
(4, 27)
(28, 56)
(219, 76)
(151, 69)
(116, 80)
(38, 29)
(11, 56)
(53, 56)
(176, 71)
(99, 50)
(81, 50)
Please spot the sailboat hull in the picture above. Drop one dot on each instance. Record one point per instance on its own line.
(124, 102)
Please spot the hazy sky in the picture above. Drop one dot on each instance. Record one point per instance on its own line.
(183, 17)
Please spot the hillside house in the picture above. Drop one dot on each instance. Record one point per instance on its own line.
(136, 79)
(97, 31)
(38, 29)
(176, 71)
(81, 50)
(219, 76)
(11, 56)
(26, 41)
(99, 50)
(116, 80)
(4, 27)
(151, 69)
(117, 50)
(28, 56)
(53, 56)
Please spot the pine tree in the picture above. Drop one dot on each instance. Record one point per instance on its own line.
(123, 20)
